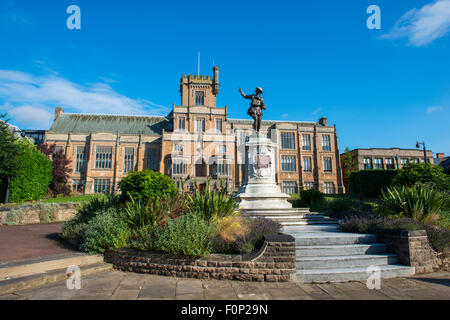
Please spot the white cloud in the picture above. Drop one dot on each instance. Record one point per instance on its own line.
(433, 109)
(285, 115)
(316, 112)
(423, 26)
(22, 92)
(25, 115)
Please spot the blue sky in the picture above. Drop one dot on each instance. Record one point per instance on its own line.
(382, 88)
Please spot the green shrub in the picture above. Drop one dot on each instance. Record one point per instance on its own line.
(33, 175)
(89, 209)
(417, 202)
(439, 238)
(254, 231)
(107, 230)
(431, 175)
(212, 203)
(146, 185)
(369, 183)
(187, 235)
(311, 196)
(144, 238)
(156, 210)
(74, 231)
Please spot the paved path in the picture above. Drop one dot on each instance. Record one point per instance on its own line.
(116, 285)
(30, 241)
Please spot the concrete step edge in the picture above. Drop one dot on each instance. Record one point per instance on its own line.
(29, 267)
(347, 257)
(46, 278)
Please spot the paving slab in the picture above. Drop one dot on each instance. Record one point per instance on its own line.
(117, 285)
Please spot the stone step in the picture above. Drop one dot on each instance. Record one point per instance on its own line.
(311, 228)
(331, 238)
(349, 274)
(340, 250)
(286, 215)
(33, 266)
(47, 278)
(304, 222)
(350, 261)
(292, 218)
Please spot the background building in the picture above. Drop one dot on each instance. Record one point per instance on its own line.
(196, 141)
(381, 158)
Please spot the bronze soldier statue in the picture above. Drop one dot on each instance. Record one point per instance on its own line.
(256, 107)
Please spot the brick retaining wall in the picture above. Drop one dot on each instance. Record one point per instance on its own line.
(413, 249)
(37, 213)
(273, 261)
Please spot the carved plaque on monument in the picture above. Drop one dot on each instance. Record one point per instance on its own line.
(262, 161)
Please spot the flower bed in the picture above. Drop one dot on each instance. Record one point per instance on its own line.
(272, 261)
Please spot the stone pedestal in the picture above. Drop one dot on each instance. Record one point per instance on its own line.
(260, 190)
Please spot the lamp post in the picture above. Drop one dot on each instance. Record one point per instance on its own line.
(424, 150)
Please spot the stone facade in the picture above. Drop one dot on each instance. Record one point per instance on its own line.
(196, 141)
(274, 261)
(413, 249)
(384, 158)
(37, 213)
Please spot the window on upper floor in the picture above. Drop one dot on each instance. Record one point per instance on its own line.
(103, 158)
(390, 163)
(327, 164)
(178, 147)
(288, 163)
(378, 163)
(199, 98)
(326, 143)
(307, 164)
(404, 161)
(306, 142)
(288, 140)
(80, 159)
(128, 160)
(152, 159)
(219, 125)
(182, 124)
(367, 163)
(200, 125)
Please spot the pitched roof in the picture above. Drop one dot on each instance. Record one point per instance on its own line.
(272, 122)
(92, 123)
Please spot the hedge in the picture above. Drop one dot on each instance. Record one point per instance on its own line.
(33, 176)
(369, 183)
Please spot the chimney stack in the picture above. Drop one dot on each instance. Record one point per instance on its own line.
(440, 155)
(323, 121)
(58, 111)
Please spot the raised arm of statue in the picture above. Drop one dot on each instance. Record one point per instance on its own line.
(244, 95)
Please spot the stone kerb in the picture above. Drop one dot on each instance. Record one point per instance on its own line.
(413, 249)
(272, 261)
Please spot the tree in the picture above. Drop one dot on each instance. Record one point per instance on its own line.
(8, 155)
(33, 174)
(348, 167)
(61, 169)
(347, 163)
(431, 175)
